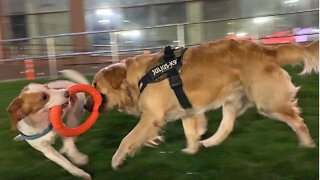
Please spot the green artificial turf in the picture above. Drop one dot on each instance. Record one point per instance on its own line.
(258, 148)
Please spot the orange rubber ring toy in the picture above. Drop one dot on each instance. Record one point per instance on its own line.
(56, 112)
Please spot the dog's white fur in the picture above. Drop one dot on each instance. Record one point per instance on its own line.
(36, 122)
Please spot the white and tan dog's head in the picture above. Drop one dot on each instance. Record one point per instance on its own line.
(35, 97)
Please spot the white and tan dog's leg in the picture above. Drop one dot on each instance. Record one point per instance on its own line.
(147, 128)
(56, 157)
(194, 127)
(69, 147)
(72, 152)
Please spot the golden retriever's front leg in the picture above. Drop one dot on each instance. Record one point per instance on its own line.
(194, 127)
(147, 128)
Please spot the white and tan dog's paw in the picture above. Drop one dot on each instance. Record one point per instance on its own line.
(81, 173)
(80, 159)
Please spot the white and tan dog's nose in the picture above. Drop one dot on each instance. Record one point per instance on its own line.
(66, 94)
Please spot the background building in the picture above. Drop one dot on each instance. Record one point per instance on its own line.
(100, 27)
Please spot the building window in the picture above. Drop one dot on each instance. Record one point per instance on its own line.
(18, 26)
(136, 17)
(170, 13)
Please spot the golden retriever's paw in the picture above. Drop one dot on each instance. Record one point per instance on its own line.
(117, 162)
(205, 143)
(309, 145)
(190, 150)
(154, 141)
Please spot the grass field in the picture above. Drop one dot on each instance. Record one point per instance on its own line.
(258, 148)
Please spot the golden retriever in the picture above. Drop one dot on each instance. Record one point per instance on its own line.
(232, 74)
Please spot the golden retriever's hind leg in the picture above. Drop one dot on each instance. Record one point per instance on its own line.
(201, 124)
(290, 115)
(193, 127)
(235, 106)
(225, 128)
(147, 128)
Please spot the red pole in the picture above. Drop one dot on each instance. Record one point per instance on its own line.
(29, 69)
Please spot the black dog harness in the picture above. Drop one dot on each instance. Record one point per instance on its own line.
(169, 68)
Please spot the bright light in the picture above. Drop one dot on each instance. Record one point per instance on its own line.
(104, 21)
(260, 20)
(107, 12)
(132, 33)
(230, 33)
(291, 1)
(241, 34)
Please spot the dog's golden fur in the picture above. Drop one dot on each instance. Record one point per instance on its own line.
(227, 73)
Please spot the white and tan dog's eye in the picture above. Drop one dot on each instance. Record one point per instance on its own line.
(45, 96)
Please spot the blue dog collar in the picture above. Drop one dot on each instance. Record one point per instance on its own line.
(36, 136)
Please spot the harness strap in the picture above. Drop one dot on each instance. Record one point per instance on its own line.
(176, 85)
(145, 80)
(175, 79)
(36, 136)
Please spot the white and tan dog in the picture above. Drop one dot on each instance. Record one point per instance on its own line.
(29, 113)
(234, 75)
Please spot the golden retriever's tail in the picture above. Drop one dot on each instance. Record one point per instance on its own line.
(295, 54)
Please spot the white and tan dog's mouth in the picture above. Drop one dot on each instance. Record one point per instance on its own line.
(65, 105)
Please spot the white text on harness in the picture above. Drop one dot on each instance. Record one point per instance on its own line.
(164, 67)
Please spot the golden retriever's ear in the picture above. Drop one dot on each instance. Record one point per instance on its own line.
(128, 61)
(158, 54)
(16, 112)
(115, 76)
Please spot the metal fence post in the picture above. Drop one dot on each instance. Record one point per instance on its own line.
(52, 58)
(181, 37)
(114, 46)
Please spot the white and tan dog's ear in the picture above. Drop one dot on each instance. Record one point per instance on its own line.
(115, 76)
(16, 112)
